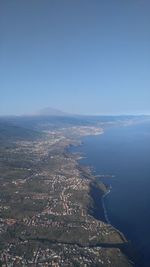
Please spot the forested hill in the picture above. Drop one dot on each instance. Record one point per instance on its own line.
(10, 132)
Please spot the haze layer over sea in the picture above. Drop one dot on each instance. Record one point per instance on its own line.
(125, 153)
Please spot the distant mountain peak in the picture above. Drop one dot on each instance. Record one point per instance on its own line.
(49, 111)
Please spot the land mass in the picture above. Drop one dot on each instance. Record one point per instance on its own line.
(48, 203)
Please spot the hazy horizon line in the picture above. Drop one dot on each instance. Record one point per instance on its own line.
(74, 114)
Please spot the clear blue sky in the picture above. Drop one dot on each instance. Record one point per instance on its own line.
(81, 56)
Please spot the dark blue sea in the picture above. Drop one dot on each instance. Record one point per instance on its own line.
(125, 153)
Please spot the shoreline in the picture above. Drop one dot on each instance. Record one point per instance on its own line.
(89, 175)
(104, 207)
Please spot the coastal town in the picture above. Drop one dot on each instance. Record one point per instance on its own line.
(46, 209)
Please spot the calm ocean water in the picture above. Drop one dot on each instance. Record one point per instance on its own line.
(125, 153)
